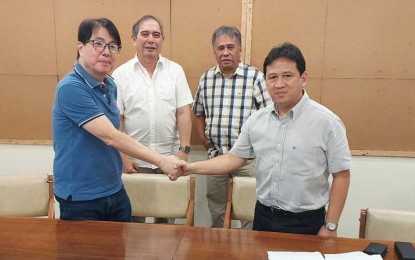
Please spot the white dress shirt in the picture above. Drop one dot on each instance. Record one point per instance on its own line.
(149, 103)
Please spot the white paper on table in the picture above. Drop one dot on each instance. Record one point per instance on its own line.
(352, 256)
(284, 255)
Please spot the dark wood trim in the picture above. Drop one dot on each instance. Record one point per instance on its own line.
(362, 227)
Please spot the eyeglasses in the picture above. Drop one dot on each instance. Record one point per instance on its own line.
(101, 45)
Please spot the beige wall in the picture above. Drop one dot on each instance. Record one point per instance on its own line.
(360, 55)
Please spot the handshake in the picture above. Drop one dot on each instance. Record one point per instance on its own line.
(173, 167)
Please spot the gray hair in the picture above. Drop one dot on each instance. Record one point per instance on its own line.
(230, 31)
(136, 26)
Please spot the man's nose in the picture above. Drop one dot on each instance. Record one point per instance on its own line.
(279, 82)
(150, 38)
(106, 50)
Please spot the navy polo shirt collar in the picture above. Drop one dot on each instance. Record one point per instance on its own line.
(89, 80)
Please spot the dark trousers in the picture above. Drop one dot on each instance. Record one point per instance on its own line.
(116, 207)
(277, 220)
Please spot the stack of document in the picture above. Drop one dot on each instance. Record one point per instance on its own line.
(274, 255)
(278, 255)
(352, 256)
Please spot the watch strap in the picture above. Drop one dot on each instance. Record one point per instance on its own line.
(185, 149)
(330, 225)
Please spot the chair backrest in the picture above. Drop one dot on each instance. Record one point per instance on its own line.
(27, 195)
(387, 224)
(154, 195)
(241, 200)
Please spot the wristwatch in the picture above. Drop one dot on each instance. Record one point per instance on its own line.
(330, 225)
(185, 149)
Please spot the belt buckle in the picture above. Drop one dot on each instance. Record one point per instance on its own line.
(279, 211)
(275, 209)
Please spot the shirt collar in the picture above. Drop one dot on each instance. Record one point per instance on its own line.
(239, 70)
(296, 111)
(89, 80)
(160, 61)
(299, 108)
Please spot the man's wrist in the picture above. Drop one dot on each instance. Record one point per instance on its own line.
(185, 149)
(159, 161)
(330, 225)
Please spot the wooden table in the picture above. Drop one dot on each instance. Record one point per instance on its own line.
(34, 238)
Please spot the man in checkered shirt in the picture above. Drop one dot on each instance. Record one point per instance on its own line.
(227, 95)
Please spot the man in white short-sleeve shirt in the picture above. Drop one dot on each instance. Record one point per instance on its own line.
(154, 99)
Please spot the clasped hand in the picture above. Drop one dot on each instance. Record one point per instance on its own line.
(173, 167)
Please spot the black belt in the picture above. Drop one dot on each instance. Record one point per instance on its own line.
(283, 213)
(150, 170)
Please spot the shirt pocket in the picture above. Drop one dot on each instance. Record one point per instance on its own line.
(247, 92)
(242, 96)
(166, 91)
(302, 159)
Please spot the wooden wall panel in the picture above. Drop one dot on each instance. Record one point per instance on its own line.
(26, 107)
(379, 114)
(28, 38)
(193, 83)
(313, 88)
(193, 23)
(302, 23)
(370, 39)
(360, 55)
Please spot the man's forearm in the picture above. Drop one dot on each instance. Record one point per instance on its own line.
(219, 165)
(201, 127)
(184, 125)
(338, 195)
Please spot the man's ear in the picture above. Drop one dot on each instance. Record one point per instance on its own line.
(80, 47)
(133, 38)
(304, 78)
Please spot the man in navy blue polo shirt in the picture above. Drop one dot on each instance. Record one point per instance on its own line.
(86, 140)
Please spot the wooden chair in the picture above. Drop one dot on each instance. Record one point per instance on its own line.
(27, 195)
(241, 200)
(387, 224)
(154, 195)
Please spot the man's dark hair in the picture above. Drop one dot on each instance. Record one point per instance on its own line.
(230, 31)
(136, 26)
(88, 26)
(289, 51)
